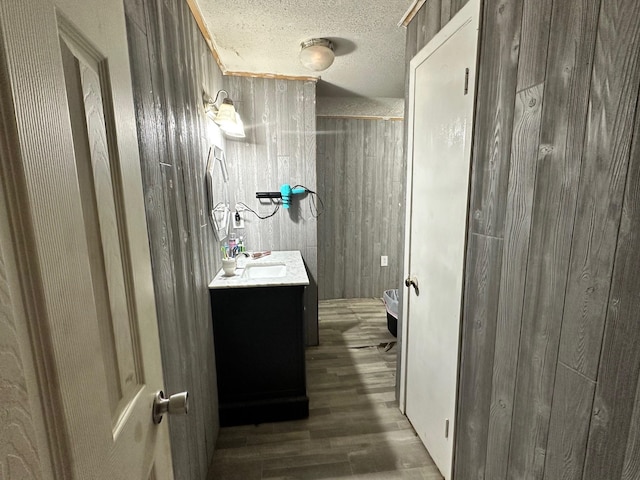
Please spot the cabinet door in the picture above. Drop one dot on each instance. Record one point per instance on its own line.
(258, 336)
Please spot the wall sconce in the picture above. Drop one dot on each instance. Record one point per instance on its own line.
(317, 54)
(225, 115)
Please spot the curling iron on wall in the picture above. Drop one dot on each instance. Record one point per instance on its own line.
(286, 193)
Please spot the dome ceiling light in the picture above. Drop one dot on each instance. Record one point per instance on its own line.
(317, 54)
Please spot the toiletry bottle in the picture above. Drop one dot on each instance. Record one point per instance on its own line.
(232, 244)
(241, 244)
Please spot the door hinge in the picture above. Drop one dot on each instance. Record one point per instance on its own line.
(466, 81)
(446, 428)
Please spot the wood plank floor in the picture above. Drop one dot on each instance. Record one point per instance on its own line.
(354, 429)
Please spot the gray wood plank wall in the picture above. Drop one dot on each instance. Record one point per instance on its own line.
(280, 123)
(170, 64)
(550, 369)
(360, 178)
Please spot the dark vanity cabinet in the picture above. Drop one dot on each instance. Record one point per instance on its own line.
(259, 344)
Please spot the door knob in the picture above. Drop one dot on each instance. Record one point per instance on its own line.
(177, 403)
(412, 281)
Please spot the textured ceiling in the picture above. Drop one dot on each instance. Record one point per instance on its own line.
(264, 36)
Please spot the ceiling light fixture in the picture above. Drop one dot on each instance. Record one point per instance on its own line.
(225, 115)
(317, 54)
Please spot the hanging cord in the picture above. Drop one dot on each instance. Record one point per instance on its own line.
(313, 206)
(245, 207)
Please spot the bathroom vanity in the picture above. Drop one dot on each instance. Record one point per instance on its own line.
(258, 330)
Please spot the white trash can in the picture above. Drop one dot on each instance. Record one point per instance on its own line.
(390, 298)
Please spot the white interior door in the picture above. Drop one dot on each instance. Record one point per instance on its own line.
(78, 212)
(440, 126)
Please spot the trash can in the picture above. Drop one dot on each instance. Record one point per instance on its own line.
(390, 298)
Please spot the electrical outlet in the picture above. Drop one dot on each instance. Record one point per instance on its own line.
(238, 220)
(384, 261)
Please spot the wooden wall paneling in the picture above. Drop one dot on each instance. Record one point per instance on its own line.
(383, 216)
(360, 237)
(534, 43)
(428, 24)
(522, 174)
(310, 146)
(339, 210)
(378, 199)
(631, 467)
(349, 200)
(171, 335)
(387, 214)
(324, 167)
(445, 12)
(168, 72)
(148, 140)
(386, 219)
(310, 172)
(152, 153)
(194, 163)
(420, 27)
(324, 186)
(612, 108)
(429, 21)
(569, 426)
(182, 227)
(342, 209)
(610, 436)
(155, 59)
(297, 172)
(456, 5)
(363, 183)
(411, 48)
(167, 39)
(399, 169)
(282, 126)
(332, 235)
(498, 61)
(367, 234)
(482, 288)
(185, 316)
(330, 195)
(135, 13)
(562, 133)
(276, 174)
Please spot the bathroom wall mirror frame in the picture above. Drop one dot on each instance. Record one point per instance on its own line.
(217, 179)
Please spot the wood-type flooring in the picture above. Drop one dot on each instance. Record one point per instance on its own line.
(354, 429)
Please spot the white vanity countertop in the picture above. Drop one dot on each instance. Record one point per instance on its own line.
(296, 272)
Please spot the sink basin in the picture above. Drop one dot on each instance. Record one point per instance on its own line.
(265, 270)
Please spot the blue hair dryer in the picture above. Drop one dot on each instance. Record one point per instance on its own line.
(286, 192)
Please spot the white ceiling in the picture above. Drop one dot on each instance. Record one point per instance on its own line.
(264, 36)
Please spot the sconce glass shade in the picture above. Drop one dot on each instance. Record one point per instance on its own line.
(317, 54)
(226, 114)
(235, 130)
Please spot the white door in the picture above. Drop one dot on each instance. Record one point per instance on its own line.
(76, 205)
(440, 126)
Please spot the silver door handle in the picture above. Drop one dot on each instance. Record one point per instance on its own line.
(412, 281)
(177, 403)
